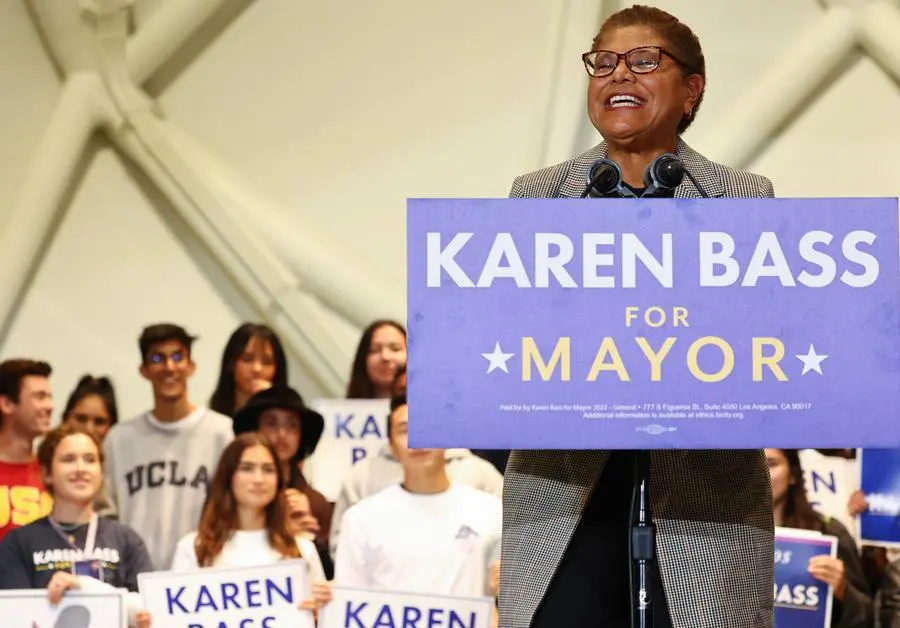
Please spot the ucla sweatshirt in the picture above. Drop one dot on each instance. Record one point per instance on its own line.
(157, 475)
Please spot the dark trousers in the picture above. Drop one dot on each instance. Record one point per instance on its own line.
(591, 586)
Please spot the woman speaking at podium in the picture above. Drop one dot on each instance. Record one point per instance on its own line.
(565, 559)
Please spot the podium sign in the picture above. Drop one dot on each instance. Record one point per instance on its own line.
(665, 323)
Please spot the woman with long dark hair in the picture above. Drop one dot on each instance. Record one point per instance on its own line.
(253, 360)
(245, 521)
(852, 602)
(293, 429)
(92, 406)
(381, 352)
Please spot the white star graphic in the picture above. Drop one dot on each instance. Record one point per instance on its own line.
(497, 359)
(811, 361)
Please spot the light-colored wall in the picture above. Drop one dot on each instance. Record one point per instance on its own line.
(339, 111)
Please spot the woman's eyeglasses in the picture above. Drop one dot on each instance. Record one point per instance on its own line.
(639, 60)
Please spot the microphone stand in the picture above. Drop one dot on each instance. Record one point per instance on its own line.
(642, 543)
(642, 538)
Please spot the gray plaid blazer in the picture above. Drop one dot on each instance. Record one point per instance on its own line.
(712, 508)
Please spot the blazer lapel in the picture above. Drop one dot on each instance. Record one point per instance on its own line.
(702, 169)
(577, 177)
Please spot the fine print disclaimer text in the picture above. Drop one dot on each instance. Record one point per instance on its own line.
(661, 410)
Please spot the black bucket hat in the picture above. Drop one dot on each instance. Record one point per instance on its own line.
(312, 423)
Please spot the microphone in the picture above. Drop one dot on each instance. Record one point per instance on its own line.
(604, 178)
(664, 174)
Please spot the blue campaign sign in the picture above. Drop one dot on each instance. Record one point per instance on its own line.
(710, 323)
(880, 481)
(801, 601)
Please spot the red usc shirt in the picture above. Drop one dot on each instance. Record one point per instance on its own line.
(22, 495)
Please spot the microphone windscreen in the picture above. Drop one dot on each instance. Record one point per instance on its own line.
(604, 177)
(669, 171)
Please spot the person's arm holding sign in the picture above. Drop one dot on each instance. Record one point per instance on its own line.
(63, 581)
(853, 607)
(321, 595)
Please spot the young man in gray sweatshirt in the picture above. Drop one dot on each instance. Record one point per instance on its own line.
(159, 464)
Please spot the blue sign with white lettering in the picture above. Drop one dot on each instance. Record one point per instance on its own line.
(801, 601)
(880, 482)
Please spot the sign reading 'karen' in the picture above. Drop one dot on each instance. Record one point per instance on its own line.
(568, 323)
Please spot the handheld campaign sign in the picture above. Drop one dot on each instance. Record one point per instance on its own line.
(801, 601)
(360, 608)
(354, 430)
(879, 471)
(30, 608)
(829, 481)
(249, 597)
(666, 323)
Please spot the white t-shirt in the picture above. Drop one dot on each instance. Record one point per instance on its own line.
(437, 544)
(247, 548)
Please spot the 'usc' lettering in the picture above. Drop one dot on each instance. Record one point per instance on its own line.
(23, 504)
(165, 472)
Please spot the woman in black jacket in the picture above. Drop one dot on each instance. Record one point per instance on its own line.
(852, 606)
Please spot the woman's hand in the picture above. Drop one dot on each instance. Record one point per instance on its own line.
(857, 504)
(300, 514)
(61, 582)
(830, 571)
(321, 595)
(494, 578)
(143, 620)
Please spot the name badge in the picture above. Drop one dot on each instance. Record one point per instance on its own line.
(90, 568)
